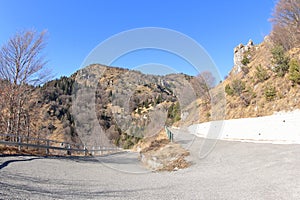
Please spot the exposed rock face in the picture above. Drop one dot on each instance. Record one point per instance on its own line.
(239, 55)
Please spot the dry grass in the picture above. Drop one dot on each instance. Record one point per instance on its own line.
(10, 150)
(287, 97)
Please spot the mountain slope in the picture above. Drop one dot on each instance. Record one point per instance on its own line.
(263, 91)
(253, 88)
(128, 106)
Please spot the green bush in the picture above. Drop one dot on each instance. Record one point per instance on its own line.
(270, 93)
(236, 88)
(208, 115)
(261, 74)
(280, 60)
(294, 71)
(229, 90)
(245, 60)
(174, 113)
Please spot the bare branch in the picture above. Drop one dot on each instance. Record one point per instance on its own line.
(21, 68)
(286, 24)
(20, 59)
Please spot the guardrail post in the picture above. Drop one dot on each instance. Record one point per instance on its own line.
(85, 151)
(169, 133)
(47, 149)
(19, 141)
(68, 150)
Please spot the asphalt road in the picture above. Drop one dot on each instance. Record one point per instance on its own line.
(232, 170)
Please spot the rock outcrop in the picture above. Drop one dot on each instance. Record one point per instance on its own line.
(239, 53)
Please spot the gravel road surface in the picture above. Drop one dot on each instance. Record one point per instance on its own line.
(233, 170)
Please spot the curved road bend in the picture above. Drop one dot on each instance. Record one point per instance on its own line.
(233, 170)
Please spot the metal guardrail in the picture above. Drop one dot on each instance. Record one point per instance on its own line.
(169, 134)
(62, 146)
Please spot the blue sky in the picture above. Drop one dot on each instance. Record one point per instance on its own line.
(75, 27)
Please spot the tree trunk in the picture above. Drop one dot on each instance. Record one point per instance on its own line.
(28, 126)
(18, 118)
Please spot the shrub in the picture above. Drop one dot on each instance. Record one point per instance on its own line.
(280, 60)
(247, 96)
(261, 74)
(238, 86)
(294, 71)
(174, 113)
(245, 60)
(128, 144)
(208, 115)
(245, 69)
(229, 90)
(270, 93)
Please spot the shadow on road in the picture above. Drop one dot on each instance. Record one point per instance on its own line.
(6, 163)
(66, 193)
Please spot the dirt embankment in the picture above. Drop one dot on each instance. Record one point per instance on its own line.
(159, 154)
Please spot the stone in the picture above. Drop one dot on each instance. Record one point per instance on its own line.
(250, 43)
(239, 55)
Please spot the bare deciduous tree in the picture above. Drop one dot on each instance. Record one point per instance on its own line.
(203, 83)
(21, 68)
(286, 23)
